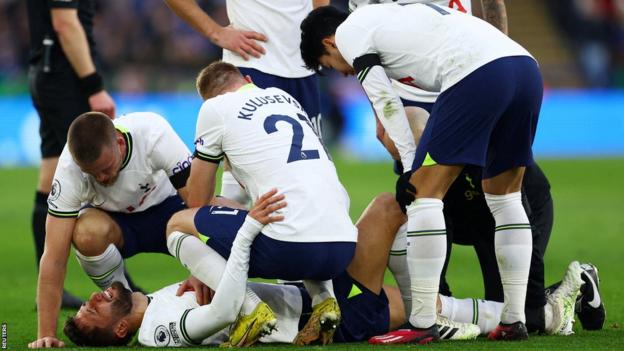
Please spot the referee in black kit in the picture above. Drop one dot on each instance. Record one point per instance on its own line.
(64, 83)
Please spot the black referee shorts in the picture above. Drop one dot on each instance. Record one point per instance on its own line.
(58, 102)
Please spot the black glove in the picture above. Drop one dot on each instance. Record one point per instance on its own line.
(405, 191)
(398, 167)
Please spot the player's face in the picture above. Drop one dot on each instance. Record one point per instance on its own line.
(105, 308)
(333, 58)
(106, 168)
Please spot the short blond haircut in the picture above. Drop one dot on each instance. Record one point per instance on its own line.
(215, 78)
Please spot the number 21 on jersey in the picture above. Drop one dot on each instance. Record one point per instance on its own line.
(296, 153)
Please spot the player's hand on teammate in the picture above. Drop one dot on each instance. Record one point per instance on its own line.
(405, 191)
(266, 205)
(102, 102)
(203, 293)
(45, 342)
(244, 43)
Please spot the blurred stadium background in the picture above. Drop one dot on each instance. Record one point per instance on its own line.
(150, 58)
(149, 61)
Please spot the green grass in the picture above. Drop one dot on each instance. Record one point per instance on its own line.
(589, 226)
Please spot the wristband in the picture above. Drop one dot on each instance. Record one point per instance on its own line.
(91, 84)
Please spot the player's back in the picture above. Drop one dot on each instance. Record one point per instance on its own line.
(269, 143)
(432, 46)
(279, 21)
(459, 5)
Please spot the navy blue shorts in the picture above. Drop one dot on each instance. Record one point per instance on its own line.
(146, 231)
(270, 258)
(487, 119)
(305, 90)
(364, 313)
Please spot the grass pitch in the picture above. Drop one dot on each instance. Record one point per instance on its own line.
(589, 226)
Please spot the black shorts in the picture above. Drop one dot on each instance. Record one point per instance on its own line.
(58, 102)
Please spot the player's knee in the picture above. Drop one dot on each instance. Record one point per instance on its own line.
(179, 222)
(386, 202)
(92, 237)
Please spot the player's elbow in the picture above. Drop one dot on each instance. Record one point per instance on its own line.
(226, 317)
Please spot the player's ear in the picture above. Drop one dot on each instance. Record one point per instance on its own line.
(329, 42)
(121, 329)
(248, 79)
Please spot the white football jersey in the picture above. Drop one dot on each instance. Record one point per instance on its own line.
(421, 45)
(279, 21)
(270, 143)
(154, 153)
(459, 5)
(163, 323)
(405, 91)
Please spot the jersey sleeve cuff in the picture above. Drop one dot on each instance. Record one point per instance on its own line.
(63, 4)
(364, 63)
(63, 214)
(208, 158)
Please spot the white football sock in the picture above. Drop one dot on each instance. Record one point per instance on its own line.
(397, 263)
(104, 269)
(485, 314)
(426, 252)
(231, 189)
(204, 263)
(319, 290)
(513, 245)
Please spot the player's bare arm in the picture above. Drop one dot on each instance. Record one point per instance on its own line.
(74, 43)
(201, 182)
(495, 13)
(245, 43)
(51, 276)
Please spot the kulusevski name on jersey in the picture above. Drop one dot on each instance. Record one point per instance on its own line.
(155, 157)
(252, 105)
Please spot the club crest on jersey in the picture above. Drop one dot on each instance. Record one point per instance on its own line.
(161, 336)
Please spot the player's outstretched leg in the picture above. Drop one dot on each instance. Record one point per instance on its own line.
(451, 330)
(247, 330)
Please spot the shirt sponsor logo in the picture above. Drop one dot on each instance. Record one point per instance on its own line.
(180, 166)
(174, 333)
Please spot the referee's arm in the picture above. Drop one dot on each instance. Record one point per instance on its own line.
(75, 46)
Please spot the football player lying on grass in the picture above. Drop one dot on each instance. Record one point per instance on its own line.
(368, 307)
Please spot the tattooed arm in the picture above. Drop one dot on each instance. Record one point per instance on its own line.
(495, 13)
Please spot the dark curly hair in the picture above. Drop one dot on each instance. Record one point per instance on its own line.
(318, 25)
(94, 336)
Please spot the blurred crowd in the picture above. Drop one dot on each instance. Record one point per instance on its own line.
(143, 46)
(595, 30)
